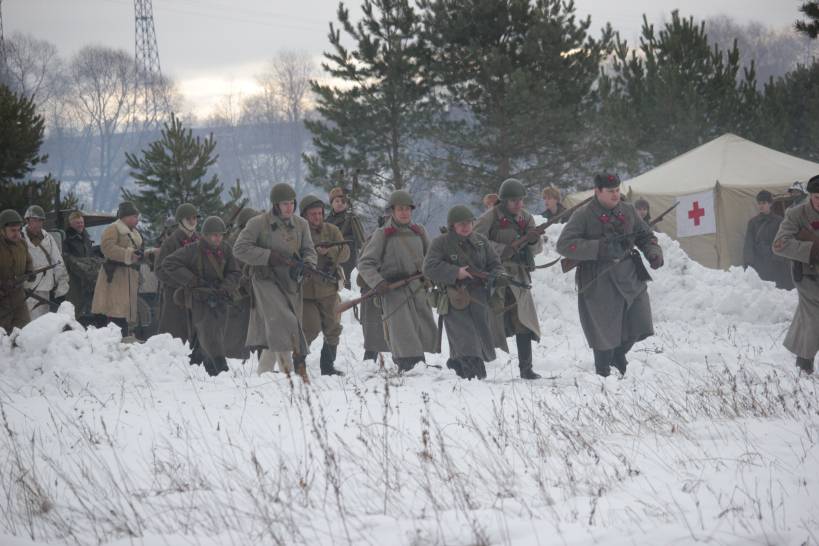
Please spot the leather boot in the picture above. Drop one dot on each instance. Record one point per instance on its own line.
(455, 365)
(619, 361)
(328, 360)
(370, 355)
(524, 343)
(602, 362)
(479, 368)
(300, 365)
(805, 364)
(405, 364)
(216, 365)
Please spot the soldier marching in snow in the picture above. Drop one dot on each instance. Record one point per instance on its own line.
(798, 240)
(320, 294)
(396, 251)
(208, 278)
(238, 316)
(343, 217)
(456, 260)
(83, 266)
(44, 250)
(172, 317)
(268, 244)
(615, 311)
(370, 314)
(504, 224)
(15, 265)
(759, 238)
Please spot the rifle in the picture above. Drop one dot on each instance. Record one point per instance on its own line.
(40, 300)
(346, 305)
(18, 280)
(517, 244)
(235, 214)
(567, 264)
(330, 244)
(298, 267)
(490, 279)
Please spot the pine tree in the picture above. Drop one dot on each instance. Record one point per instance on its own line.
(174, 170)
(519, 75)
(370, 124)
(810, 25)
(673, 94)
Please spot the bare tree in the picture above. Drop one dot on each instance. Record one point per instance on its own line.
(33, 66)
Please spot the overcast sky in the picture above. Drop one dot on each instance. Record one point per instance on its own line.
(214, 47)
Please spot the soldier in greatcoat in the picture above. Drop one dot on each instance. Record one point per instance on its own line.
(238, 316)
(757, 251)
(504, 224)
(615, 311)
(172, 317)
(320, 294)
(342, 216)
(396, 251)
(83, 266)
(266, 245)
(453, 260)
(370, 314)
(15, 262)
(798, 241)
(208, 278)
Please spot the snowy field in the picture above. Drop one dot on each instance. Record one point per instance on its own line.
(712, 437)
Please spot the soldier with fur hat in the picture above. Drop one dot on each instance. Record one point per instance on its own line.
(15, 262)
(757, 251)
(453, 260)
(342, 216)
(396, 251)
(612, 294)
(798, 241)
(503, 224)
(321, 296)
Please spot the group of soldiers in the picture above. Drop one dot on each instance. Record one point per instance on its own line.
(272, 282)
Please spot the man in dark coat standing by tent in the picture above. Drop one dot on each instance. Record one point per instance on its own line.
(759, 237)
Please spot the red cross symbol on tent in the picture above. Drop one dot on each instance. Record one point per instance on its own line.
(696, 213)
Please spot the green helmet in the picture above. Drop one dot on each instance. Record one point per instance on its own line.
(35, 211)
(401, 198)
(282, 192)
(185, 210)
(244, 217)
(309, 201)
(8, 217)
(512, 188)
(459, 213)
(213, 224)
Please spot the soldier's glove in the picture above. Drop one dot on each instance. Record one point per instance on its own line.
(276, 259)
(382, 288)
(532, 236)
(31, 277)
(656, 261)
(611, 249)
(138, 254)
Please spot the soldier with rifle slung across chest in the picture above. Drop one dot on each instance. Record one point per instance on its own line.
(601, 236)
(15, 269)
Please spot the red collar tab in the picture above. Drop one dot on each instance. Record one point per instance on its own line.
(214, 252)
(415, 228)
(522, 223)
(389, 231)
(815, 225)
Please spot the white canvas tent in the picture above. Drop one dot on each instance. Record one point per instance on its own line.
(730, 168)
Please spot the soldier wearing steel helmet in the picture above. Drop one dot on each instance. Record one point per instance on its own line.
(342, 216)
(454, 261)
(44, 250)
(208, 277)
(396, 251)
(265, 245)
(172, 317)
(503, 224)
(15, 262)
(320, 295)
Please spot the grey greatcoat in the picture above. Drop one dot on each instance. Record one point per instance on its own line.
(394, 252)
(520, 314)
(172, 318)
(371, 323)
(613, 302)
(757, 251)
(467, 317)
(276, 308)
(210, 278)
(238, 316)
(802, 338)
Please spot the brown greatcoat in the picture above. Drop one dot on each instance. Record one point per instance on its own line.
(210, 277)
(394, 252)
(118, 299)
(521, 315)
(275, 317)
(802, 338)
(320, 296)
(172, 317)
(467, 317)
(14, 261)
(613, 302)
(238, 314)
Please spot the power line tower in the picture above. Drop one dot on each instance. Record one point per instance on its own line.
(149, 75)
(2, 47)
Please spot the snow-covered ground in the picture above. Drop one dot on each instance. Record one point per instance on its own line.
(712, 436)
